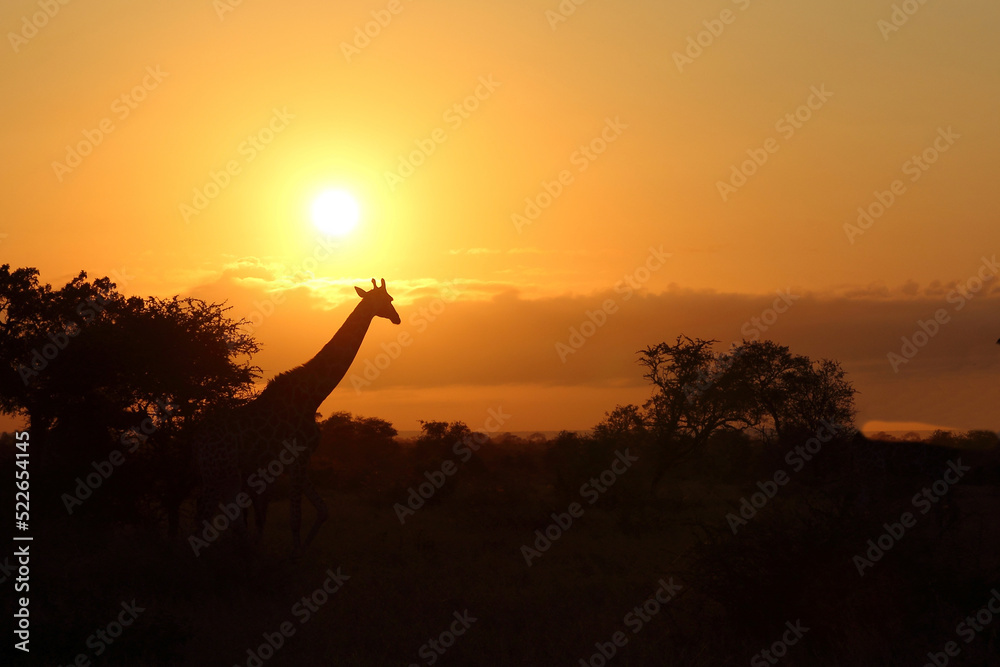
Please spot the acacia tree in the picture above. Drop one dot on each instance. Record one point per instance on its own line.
(438, 433)
(792, 394)
(625, 422)
(695, 394)
(358, 444)
(94, 371)
(758, 386)
(37, 324)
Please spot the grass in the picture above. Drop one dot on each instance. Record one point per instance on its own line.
(462, 552)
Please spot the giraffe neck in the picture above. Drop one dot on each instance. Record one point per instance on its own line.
(321, 374)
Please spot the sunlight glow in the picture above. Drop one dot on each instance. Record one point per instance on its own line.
(335, 212)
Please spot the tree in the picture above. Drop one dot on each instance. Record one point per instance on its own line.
(791, 394)
(981, 439)
(344, 429)
(624, 422)
(374, 431)
(360, 448)
(570, 457)
(758, 386)
(695, 393)
(438, 433)
(95, 372)
(37, 324)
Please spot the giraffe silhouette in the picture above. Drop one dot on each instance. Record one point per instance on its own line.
(278, 428)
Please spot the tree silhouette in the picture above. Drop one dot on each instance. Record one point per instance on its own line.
(624, 422)
(95, 372)
(361, 449)
(437, 438)
(791, 394)
(695, 394)
(758, 386)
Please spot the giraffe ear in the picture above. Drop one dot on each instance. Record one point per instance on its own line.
(361, 292)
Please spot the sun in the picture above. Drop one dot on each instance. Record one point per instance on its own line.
(335, 212)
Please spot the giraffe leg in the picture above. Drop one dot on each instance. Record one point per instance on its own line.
(211, 490)
(220, 486)
(295, 487)
(216, 495)
(322, 513)
(228, 505)
(260, 503)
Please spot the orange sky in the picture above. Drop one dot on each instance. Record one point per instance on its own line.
(292, 101)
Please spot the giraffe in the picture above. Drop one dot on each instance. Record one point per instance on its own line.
(278, 428)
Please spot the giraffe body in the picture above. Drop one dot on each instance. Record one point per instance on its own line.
(243, 448)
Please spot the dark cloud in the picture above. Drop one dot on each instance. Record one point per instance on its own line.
(490, 336)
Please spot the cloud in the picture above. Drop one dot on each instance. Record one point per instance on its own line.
(951, 377)
(490, 334)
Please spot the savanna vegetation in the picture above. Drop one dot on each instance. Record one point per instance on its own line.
(742, 484)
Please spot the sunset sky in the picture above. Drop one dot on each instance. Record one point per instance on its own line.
(690, 162)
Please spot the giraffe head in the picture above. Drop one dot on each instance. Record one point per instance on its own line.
(380, 301)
